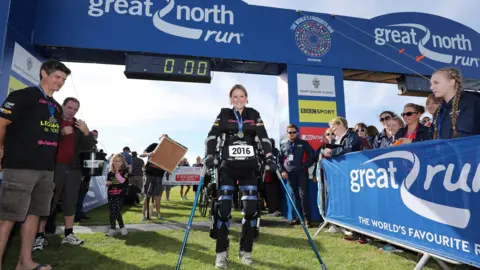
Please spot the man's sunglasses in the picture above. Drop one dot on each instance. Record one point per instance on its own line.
(386, 118)
(409, 114)
(328, 134)
(360, 130)
(292, 132)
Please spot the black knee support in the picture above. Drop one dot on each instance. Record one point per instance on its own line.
(221, 209)
(251, 214)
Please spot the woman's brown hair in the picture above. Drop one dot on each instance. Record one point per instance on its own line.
(372, 131)
(361, 125)
(452, 74)
(240, 87)
(418, 108)
(399, 120)
(431, 99)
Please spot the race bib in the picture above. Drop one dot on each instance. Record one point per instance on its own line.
(241, 151)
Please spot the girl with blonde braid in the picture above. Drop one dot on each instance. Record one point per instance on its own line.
(459, 113)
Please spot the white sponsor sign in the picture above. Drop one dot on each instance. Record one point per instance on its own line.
(183, 176)
(26, 65)
(316, 85)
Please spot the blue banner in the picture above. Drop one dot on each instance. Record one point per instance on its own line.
(4, 11)
(422, 195)
(400, 42)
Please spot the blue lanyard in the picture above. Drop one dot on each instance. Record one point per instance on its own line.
(239, 120)
(51, 106)
(292, 147)
(439, 119)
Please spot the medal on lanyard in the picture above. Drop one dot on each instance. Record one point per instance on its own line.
(240, 124)
(51, 108)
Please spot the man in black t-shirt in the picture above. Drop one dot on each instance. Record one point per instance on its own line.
(29, 134)
(153, 183)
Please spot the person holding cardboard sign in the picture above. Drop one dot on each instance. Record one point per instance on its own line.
(239, 161)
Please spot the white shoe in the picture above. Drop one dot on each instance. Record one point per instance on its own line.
(245, 257)
(185, 198)
(111, 232)
(221, 260)
(333, 229)
(39, 243)
(72, 239)
(124, 231)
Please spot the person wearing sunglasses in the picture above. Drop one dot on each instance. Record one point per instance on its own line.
(296, 156)
(414, 131)
(426, 121)
(330, 136)
(329, 140)
(361, 130)
(384, 138)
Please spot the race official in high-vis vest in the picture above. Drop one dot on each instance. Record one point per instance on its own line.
(238, 161)
(296, 156)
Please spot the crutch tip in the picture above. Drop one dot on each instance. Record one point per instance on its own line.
(324, 267)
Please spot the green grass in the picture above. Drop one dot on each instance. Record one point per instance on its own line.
(174, 211)
(279, 247)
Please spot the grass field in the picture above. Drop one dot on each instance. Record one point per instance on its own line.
(279, 247)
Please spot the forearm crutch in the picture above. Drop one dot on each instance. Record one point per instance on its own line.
(301, 220)
(189, 224)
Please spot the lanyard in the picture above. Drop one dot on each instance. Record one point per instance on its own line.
(439, 119)
(292, 147)
(239, 120)
(412, 135)
(51, 106)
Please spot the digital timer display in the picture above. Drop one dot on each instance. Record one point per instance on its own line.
(168, 68)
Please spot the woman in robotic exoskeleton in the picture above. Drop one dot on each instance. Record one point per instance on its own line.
(237, 160)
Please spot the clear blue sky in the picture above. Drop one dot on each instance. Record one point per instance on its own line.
(139, 111)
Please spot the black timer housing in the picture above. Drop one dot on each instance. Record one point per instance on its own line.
(166, 68)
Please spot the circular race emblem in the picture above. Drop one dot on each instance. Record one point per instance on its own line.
(313, 38)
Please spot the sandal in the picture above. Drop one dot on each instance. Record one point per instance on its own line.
(40, 266)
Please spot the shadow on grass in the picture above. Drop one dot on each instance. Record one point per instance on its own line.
(165, 244)
(281, 241)
(69, 257)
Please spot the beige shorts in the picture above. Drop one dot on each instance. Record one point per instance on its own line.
(25, 192)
